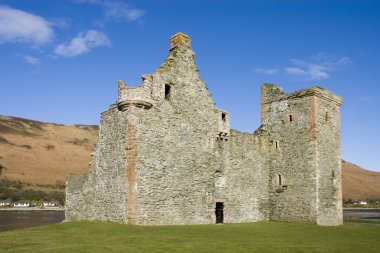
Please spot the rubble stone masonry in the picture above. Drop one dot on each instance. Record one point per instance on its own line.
(166, 155)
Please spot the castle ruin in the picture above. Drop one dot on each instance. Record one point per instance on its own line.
(166, 155)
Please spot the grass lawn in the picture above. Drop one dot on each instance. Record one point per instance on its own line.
(250, 237)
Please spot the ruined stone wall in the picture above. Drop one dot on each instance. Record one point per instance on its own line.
(101, 194)
(166, 155)
(79, 198)
(246, 176)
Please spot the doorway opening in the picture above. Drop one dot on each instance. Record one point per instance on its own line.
(219, 212)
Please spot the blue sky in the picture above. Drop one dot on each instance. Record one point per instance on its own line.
(60, 60)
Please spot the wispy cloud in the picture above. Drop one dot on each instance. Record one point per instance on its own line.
(117, 10)
(367, 99)
(320, 67)
(82, 43)
(31, 60)
(21, 26)
(267, 72)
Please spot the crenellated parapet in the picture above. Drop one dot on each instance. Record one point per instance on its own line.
(136, 96)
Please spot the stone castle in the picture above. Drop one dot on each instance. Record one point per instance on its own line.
(166, 155)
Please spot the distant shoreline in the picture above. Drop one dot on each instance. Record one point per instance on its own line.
(360, 208)
(32, 209)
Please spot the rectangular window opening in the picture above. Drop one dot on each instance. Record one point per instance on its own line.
(279, 180)
(276, 144)
(223, 116)
(167, 91)
(290, 118)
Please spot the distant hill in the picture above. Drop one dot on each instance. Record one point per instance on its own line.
(359, 184)
(46, 153)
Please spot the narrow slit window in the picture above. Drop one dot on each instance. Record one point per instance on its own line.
(327, 116)
(167, 91)
(224, 117)
(276, 144)
(279, 180)
(290, 118)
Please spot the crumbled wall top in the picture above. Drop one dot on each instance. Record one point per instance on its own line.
(275, 93)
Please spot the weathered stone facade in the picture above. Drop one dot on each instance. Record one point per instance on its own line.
(166, 155)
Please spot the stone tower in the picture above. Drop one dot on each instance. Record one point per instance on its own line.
(304, 158)
(166, 155)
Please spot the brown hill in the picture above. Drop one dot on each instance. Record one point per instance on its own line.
(359, 184)
(43, 153)
(46, 153)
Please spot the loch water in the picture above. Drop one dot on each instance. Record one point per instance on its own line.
(10, 220)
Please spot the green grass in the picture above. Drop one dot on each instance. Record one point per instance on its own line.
(240, 238)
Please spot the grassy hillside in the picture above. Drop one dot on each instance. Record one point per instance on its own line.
(251, 237)
(360, 184)
(45, 153)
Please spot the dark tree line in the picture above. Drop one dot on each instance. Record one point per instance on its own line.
(13, 190)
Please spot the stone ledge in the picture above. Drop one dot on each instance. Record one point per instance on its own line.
(123, 105)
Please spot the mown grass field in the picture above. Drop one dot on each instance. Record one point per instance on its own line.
(251, 237)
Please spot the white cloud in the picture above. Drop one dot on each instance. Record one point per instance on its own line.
(321, 68)
(308, 71)
(83, 43)
(28, 59)
(267, 72)
(31, 60)
(117, 10)
(20, 26)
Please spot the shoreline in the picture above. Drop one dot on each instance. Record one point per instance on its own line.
(360, 208)
(32, 209)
